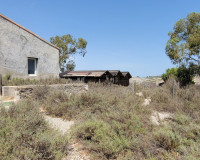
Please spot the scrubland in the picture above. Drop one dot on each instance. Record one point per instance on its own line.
(24, 134)
(111, 122)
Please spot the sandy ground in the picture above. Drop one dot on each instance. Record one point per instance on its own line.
(59, 124)
(76, 151)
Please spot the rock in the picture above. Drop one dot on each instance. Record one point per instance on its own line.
(140, 94)
(146, 102)
(158, 117)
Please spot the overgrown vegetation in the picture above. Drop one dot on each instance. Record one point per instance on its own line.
(113, 124)
(8, 80)
(183, 74)
(25, 135)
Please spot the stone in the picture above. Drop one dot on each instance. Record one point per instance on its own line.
(158, 117)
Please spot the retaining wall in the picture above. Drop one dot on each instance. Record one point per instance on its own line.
(18, 92)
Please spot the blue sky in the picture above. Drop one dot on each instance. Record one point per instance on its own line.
(129, 35)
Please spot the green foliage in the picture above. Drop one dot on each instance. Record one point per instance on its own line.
(112, 123)
(68, 46)
(169, 73)
(167, 139)
(70, 65)
(109, 121)
(25, 135)
(101, 134)
(183, 74)
(184, 43)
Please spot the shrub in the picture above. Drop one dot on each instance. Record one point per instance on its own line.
(169, 73)
(165, 138)
(25, 135)
(112, 123)
(8, 80)
(185, 75)
(102, 135)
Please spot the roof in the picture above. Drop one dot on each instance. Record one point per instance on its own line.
(29, 31)
(83, 73)
(114, 72)
(93, 73)
(126, 74)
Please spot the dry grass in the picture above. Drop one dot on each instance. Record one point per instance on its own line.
(25, 135)
(7, 80)
(112, 123)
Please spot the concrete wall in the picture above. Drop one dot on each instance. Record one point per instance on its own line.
(16, 45)
(18, 92)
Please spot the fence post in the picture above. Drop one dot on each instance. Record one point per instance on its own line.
(143, 85)
(133, 85)
(173, 91)
(0, 84)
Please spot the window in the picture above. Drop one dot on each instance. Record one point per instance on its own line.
(32, 66)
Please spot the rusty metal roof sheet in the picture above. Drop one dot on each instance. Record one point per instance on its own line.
(96, 74)
(83, 74)
(29, 31)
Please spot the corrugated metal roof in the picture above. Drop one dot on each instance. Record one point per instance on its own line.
(93, 73)
(96, 74)
(83, 74)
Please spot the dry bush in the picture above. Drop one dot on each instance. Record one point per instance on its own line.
(113, 124)
(109, 118)
(7, 80)
(24, 134)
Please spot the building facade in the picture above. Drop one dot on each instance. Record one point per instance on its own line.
(23, 54)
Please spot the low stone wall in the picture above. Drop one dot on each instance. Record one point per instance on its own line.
(18, 92)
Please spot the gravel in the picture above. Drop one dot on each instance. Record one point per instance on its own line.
(59, 124)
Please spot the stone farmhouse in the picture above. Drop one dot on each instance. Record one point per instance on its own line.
(24, 54)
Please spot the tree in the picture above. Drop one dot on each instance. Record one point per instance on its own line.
(68, 46)
(183, 47)
(183, 74)
(169, 73)
(70, 65)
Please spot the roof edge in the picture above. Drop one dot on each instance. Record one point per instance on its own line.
(29, 31)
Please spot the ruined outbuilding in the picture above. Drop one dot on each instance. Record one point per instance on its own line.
(100, 76)
(24, 54)
(88, 76)
(125, 78)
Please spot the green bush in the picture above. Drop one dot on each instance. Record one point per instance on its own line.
(103, 136)
(112, 123)
(165, 138)
(169, 73)
(183, 74)
(25, 135)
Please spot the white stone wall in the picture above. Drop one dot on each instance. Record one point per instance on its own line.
(16, 45)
